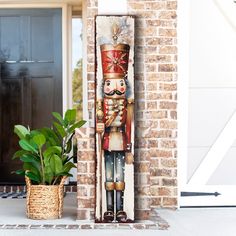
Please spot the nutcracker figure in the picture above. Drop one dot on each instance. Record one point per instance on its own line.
(114, 117)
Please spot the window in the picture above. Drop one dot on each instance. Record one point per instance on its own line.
(77, 83)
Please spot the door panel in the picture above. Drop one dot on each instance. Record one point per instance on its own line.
(10, 38)
(42, 47)
(41, 94)
(211, 109)
(30, 78)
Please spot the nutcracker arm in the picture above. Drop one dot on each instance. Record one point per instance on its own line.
(100, 126)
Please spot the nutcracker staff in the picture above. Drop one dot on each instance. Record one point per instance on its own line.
(114, 114)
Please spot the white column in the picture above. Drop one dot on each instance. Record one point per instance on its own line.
(114, 7)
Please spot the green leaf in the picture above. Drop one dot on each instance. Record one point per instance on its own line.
(32, 176)
(56, 164)
(69, 144)
(21, 131)
(70, 116)
(64, 174)
(52, 150)
(51, 136)
(68, 166)
(19, 153)
(58, 117)
(40, 140)
(24, 144)
(31, 159)
(60, 129)
(48, 175)
(19, 172)
(76, 125)
(28, 166)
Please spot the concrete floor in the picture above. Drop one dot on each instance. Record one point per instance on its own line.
(183, 222)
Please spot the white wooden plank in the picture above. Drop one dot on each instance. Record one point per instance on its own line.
(215, 154)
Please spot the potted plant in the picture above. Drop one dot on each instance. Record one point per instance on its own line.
(46, 154)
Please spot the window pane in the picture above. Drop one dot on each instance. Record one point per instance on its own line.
(77, 84)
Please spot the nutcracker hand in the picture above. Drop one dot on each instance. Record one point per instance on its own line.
(129, 158)
(100, 127)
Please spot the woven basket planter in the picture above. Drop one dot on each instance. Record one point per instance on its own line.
(44, 202)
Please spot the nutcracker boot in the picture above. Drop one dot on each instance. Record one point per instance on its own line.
(109, 186)
(121, 215)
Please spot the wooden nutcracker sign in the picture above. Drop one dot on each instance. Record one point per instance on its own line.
(114, 119)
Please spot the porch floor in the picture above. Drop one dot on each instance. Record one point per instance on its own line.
(201, 221)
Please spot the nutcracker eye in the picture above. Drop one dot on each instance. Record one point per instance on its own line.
(121, 83)
(108, 83)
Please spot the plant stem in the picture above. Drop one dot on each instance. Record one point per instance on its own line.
(55, 180)
(42, 165)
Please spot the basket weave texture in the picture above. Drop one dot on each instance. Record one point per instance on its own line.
(44, 201)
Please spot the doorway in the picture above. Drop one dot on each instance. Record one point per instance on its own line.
(208, 160)
(30, 76)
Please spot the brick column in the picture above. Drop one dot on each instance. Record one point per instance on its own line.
(85, 136)
(156, 95)
(86, 174)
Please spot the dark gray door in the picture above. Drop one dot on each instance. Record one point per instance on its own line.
(30, 76)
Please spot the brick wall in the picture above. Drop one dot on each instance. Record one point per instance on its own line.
(156, 114)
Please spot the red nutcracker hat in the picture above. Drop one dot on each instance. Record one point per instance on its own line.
(115, 60)
(115, 57)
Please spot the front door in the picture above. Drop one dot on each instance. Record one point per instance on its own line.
(211, 156)
(30, 76)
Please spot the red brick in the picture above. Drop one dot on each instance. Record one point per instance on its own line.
(83, 214)
(156, 114)
(82, 191)
(152, 143)
(156, 201)
(169, 182)
(168, 144)
(141, 214)
(173, 115)
(167, 15)
(169, 163)
(153, 23)
(166, 124)
(167, 67)
(168, 105)
(168, 50)
(170, 201)
(86, 179)
(86, 155)
(142, 167)
(168, 32)
(168, 87)
(154, 6)
(82, 167)
(85, 203)
(171, 5)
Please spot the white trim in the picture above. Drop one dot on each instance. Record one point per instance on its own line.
(69, 64)
(115, 7)
(183, 81)
(84, 72)
(65, 58)
(44, 2)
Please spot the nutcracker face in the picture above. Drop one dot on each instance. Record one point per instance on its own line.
(114, 88)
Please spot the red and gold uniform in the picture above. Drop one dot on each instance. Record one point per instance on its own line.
(113, 118)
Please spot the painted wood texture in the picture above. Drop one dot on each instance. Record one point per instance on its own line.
(114, 119)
